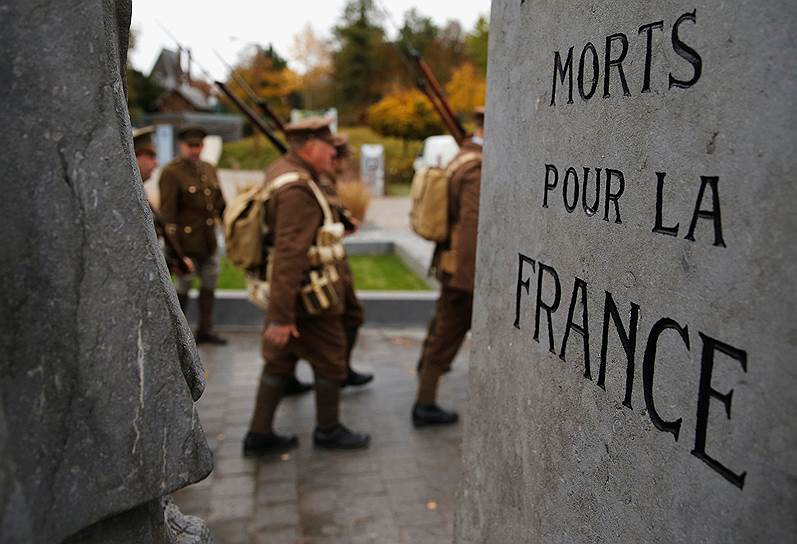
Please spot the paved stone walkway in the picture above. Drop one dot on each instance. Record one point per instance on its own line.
(400, 491)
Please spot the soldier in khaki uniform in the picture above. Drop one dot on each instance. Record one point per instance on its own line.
(147, 161)
(454, 263)
(191, 205)
(353, 313)
(306, 303)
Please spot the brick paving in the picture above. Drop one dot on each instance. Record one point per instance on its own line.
(400, 491)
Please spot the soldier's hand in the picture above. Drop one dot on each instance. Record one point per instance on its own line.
(188, 265)
(355, 226)
(279, 335)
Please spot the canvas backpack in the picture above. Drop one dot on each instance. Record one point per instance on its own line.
(245, 231)
(429, 198)
(245, 226)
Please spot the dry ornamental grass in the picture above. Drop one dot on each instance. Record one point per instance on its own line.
(355, 197)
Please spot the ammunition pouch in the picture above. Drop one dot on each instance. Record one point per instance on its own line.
(328, 248)
(319, 294)
(258, 291)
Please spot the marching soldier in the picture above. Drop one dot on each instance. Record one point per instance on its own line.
(147, 161)
(353, 314)
(454, 262)
(191, 205)
(306, 304)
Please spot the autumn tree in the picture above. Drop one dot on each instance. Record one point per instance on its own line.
(405, 114)
(313, 56)
(476, 45)
(143, 92)
(466, 89)
(357, 59)
(268, 74)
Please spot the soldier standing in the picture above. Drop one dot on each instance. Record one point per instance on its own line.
(304, 314)
(454, 263)
(147, 161)
(191, 205)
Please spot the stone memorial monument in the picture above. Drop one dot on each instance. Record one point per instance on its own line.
(372, 168)
(98, 369)
(633, 371)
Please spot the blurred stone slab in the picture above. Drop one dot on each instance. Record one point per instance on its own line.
(634, 341)
(99, 370)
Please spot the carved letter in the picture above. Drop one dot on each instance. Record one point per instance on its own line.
(571, 172)
(705, 393)
(549, 169)
(608, 63)
(595, 72)
(549, 308)
(563, 71)
(583, 329)
(658, 227)
(591, 210)
(627, 339)
(649, 51)
(713, 214)
(686, 52)
(614, 197)
(522, 259)
(648, 368)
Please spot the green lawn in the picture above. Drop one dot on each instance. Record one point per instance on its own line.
(371, 273)
(384, 273)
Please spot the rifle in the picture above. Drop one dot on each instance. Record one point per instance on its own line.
(253, 117)
(261, 103)
(431, 87)
(246, 110)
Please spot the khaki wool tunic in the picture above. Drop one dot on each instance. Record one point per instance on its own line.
(455, 260)
(293, 216)
(191, 204)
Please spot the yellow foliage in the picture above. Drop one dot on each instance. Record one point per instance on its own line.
(406, 113)
(269, 82)
(466, 90)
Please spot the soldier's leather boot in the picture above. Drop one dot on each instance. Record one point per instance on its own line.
(356, 379)
(432, 414)
(353, 377)
(205, 332)
(296, 387)
(329, 433)
(268, 443)
(261, 438)
(339, 437)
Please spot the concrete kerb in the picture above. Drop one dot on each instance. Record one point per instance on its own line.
(382, 308)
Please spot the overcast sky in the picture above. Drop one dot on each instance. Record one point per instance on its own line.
(229, 25)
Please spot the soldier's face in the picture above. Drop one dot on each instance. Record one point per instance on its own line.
(147, 162)
(341, 164)
(322, 155)
(191, 150)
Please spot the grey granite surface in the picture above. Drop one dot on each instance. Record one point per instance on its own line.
(557, 450)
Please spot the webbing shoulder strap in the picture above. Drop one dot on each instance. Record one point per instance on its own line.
(455, 165)
(461, 161)
(293, 177)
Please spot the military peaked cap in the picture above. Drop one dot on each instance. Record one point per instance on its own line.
(142, 140)
(192, 134)
(312, 127)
